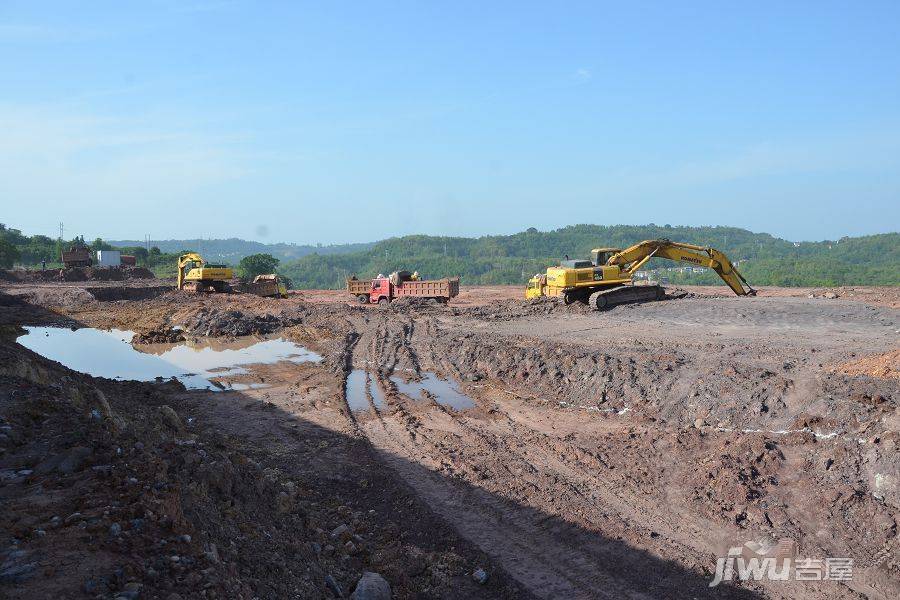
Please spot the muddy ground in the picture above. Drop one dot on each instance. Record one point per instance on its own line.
(607, 455)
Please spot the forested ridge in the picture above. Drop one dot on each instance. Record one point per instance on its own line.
(512, 259)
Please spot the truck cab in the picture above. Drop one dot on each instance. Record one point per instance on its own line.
(380, 291)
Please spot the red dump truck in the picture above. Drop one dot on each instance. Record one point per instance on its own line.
(382, 290)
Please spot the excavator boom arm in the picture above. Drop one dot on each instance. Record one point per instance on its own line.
(633, 258)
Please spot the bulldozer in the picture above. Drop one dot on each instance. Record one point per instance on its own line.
(608, 278)
(196, 275)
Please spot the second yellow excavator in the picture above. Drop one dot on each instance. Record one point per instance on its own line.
(196, 275)
(608, 278)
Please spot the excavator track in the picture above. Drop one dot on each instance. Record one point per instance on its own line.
(625, 294)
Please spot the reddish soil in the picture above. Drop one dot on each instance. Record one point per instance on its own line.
(607, 455)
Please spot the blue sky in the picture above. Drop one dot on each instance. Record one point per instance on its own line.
(355, 121)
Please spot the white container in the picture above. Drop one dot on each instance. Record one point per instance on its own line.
(109, 258)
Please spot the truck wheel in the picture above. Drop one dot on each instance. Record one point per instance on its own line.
(568, 298)
(383, 301)
(363, 299)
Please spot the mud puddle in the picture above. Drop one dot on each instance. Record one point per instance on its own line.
(361, 385)
(445, 392)
(110, 354)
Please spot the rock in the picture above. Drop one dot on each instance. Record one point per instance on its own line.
(185, 538)
(212, 554)
(698, 423)
(339, 531)
(350, 548)
(829, 295)
(102, 404)
(115, 530)
(333, 585)
(480, 576)
(371, 586)
(171, 418)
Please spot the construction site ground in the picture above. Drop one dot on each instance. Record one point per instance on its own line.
(609, 454)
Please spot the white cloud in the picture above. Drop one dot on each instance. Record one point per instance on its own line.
(583, 74)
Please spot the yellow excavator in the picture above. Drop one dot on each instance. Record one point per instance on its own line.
(196, 275)
(608, 278)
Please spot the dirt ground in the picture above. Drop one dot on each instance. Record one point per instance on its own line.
(606, 455)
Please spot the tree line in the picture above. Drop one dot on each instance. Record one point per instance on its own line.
(512, 259)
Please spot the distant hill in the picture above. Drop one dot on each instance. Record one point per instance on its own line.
(232, 250)
(512, 259)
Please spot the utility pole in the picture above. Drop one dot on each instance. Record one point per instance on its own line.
(60, 231)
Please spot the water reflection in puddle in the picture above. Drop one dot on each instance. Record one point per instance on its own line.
(445, 392)
(110, 354)
(357, 383)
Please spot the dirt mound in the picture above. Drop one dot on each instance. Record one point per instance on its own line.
(123, 273)
(160, 335)
(231, 323)
(127, 490)
(885, 365)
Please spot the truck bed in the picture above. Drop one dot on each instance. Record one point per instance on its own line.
(433, 288)
(359, 286)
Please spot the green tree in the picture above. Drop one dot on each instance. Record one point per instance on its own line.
(9, 254)
(257, 264)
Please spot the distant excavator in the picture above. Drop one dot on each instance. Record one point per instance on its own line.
(608, 278)
(196, 275)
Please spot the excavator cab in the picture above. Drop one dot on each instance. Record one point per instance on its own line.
(599, 256)
(535, 286)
